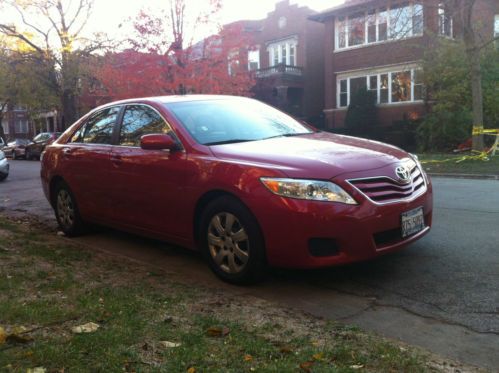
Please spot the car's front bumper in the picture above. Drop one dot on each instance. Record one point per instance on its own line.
(4, 167)
(358, 232)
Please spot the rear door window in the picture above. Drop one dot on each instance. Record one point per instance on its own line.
(99, 127)
(140, 120)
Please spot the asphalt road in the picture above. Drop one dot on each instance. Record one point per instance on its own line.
(441, 293)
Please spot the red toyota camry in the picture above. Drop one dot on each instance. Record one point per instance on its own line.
(244, 183)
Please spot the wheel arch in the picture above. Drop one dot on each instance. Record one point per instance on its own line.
(208, 197)
(54, 181)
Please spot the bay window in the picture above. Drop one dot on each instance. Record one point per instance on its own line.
(376, 25)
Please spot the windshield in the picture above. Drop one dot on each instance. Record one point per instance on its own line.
(224, 121)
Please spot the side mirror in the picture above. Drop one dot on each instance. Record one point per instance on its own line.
(158, 142)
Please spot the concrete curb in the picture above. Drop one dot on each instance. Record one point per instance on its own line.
(464, 176)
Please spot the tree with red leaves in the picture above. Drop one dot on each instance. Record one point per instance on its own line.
(162, 62)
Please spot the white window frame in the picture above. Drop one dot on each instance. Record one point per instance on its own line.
(254, 56)
(441, 15)
(496, 26)
(389, 37)
(378, 73)
(279, 46)
(5, 125)
(21, 126)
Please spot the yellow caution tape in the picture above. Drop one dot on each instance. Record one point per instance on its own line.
(479, 156)
(478, 130)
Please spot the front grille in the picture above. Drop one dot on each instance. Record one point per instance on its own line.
(384, 189)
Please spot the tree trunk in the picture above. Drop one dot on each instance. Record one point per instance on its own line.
(477, 99)
(473, 54)
(69, 108)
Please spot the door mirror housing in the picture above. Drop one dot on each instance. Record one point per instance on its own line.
(158, 142)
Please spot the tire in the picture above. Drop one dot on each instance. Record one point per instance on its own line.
(14, 156)
(231, 242)
(3, 177)
(66, 211)
(28, 155)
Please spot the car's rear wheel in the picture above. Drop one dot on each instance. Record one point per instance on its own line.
(66, 211)
(14, 156)
(3, 177)
(232, 242)
(28, 156)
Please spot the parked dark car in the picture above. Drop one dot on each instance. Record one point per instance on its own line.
(38, 144)
(16, 149)
(4, 166)
(244, 183)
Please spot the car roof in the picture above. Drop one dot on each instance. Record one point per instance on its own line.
(172, 99)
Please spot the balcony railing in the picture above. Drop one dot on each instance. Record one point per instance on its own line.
(279, 69)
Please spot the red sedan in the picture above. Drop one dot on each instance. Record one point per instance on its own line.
(244, 183)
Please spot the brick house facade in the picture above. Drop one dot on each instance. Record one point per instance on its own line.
(17, 123)
(289, 60)
(379, 45)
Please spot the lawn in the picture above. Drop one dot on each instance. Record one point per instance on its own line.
(471, 167)
(149, 323)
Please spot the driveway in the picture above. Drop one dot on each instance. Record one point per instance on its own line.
(441, 293)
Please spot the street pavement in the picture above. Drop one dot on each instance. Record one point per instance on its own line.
(441, 293)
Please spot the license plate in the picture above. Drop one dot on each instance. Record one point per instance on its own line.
(412, 222)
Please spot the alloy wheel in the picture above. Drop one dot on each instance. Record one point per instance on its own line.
(65, 209)
(228, 243)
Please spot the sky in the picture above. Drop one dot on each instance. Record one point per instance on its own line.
(108, 14)
(113, 17)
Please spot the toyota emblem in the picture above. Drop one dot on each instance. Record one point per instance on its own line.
(403, 174)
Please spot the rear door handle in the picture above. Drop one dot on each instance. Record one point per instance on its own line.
(116, 160)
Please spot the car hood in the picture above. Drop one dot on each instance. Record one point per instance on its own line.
(319, 155)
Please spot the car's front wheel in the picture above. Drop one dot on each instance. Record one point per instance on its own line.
(66, 211)
(232, 242)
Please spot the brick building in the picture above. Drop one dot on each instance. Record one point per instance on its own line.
(17, 123)
(289, 61)
(379, 44)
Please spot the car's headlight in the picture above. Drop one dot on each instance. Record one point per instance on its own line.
(315, 190)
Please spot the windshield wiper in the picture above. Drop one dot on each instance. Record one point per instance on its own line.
(232, 141)
(287, 135)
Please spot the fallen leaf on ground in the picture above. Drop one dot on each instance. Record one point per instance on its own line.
(3, 335)
(191, 370)
(286, 350)
(85, 328)
(307, 366)
(356, 366)
(248, 357)
(167, 344)
(218, 332)
(318, 357)
(36, 370)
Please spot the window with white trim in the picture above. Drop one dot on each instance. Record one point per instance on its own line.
(5, 125)
(283, 52)
(21, 126)
(253, 60)
(399, 21)
(496, 26)
(445, 21)
(405, 85)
